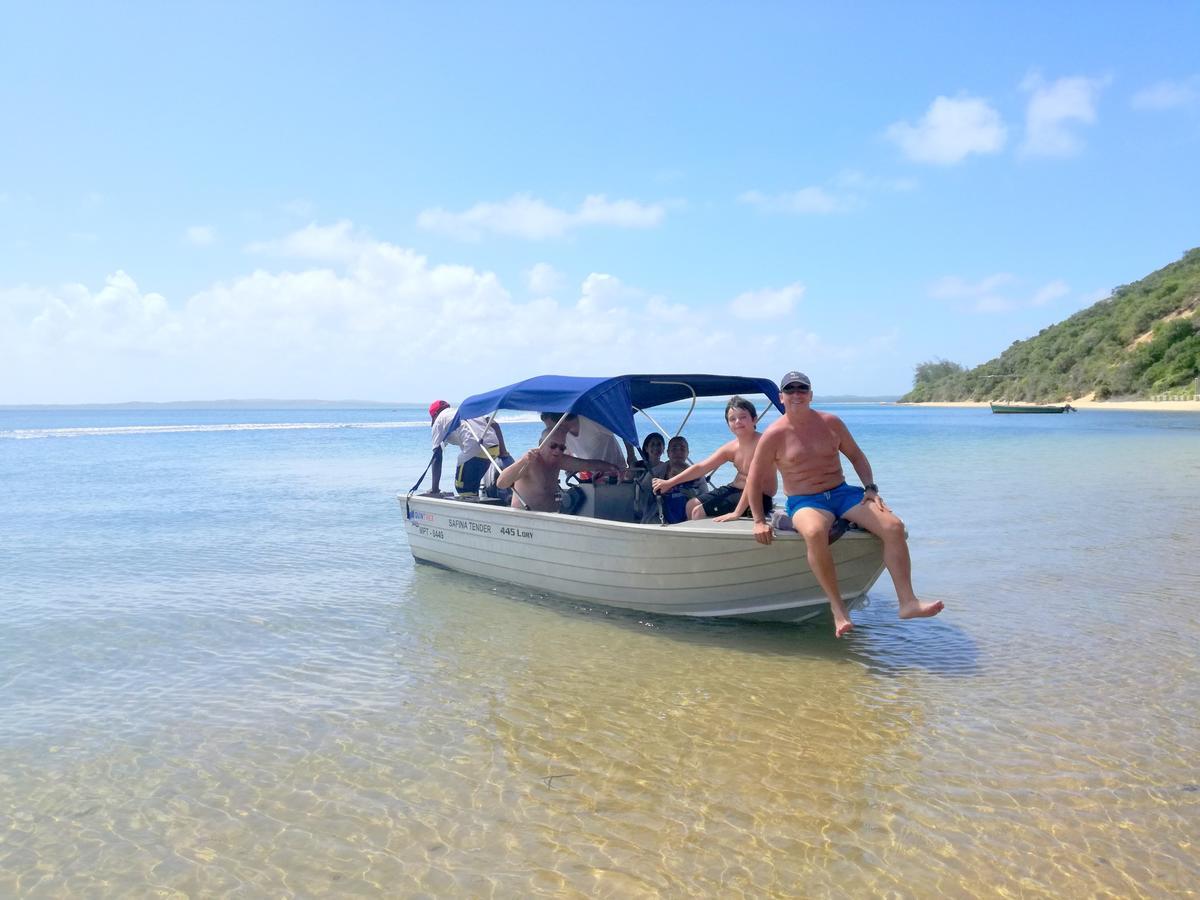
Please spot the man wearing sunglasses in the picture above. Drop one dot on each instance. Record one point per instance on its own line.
(586, 438)
(535, 475)
(806, 447)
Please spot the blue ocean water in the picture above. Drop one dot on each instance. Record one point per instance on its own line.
(221, 671)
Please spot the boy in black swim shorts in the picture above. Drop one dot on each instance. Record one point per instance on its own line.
(730, 501)
(724, 500)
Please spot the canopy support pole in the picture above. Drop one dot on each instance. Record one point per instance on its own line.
(679, 431)
(491, 459)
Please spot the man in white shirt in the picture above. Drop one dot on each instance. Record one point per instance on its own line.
(478, 444)
(589, 440)
(534, 477)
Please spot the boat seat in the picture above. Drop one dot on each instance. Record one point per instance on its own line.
(781, 521)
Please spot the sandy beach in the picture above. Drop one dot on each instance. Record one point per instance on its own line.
(1136, 405)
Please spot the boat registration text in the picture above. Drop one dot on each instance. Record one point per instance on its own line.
(469, 526)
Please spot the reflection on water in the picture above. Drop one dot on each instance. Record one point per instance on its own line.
(222, 673)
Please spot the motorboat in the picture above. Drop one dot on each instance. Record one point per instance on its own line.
(610, 548)
(1043, 408)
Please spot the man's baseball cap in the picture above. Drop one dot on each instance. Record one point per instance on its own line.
(794, 378)
(437, 406)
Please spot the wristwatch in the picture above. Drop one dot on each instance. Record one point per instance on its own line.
(871, 487)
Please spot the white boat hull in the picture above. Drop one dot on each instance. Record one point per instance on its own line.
(689, 569)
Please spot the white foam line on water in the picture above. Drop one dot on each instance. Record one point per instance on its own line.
(27, 433)
(109, 431)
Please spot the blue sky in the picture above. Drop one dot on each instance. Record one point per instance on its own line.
(394, 202)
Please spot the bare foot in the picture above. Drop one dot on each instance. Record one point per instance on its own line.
(842, 626)
(921, 610)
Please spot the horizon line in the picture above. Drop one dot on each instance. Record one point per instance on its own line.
(268, 403)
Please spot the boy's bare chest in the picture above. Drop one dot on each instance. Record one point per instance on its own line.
(742, 457)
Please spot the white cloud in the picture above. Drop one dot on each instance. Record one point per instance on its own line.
(846, 194)
(299, 208)
(809, 200)
(951, 130)
(524, 216)
(853, 180)
(951, 287)
(995, 293)
(324, 243)
(543, 279)
(1168, 95)
(994, 304)
(356, 317)
(1053, 109)
(767, 303)
(119, 317)
(1050, 292)
(200, 235)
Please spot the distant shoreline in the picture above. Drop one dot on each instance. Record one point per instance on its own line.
(331, 404)
(1135, 405)
(220, 404)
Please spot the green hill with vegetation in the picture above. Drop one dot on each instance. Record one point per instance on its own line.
(1143, 340)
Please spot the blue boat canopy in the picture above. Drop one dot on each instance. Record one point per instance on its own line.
(610, 401)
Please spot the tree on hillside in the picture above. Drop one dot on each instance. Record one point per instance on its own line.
(1142, 340)
(935, 370)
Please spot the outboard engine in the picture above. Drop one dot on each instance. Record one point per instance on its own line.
(570, 500)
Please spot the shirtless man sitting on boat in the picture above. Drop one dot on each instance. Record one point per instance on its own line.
(730, 501)
(534, 477)
(804, 447)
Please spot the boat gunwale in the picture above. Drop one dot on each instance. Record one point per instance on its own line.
(707, 529)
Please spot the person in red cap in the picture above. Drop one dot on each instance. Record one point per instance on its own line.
(806, 447)
(478, 444)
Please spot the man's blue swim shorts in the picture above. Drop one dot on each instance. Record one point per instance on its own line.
(836, 501)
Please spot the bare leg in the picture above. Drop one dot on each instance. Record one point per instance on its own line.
(884, 524)
(695, 509)
(813, 525)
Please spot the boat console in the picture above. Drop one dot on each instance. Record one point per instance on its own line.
(605, 498)
(616, 502)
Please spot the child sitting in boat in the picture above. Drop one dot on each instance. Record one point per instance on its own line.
(653, 446)
(674, 502)
(534, 477)
(728, 501)
(676, 463)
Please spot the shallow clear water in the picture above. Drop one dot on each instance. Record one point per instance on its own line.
(221, 673)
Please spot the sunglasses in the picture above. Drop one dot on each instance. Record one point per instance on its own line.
(797, 389)
(554, 445)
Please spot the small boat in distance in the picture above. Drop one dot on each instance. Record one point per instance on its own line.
(612, 549)
(1031, 408)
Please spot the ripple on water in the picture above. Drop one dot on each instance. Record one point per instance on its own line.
(247, 688)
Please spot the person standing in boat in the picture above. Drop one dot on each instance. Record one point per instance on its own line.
(475, 453)
(534, 477)
(806, 447)
(728, 501)
(590, 440)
